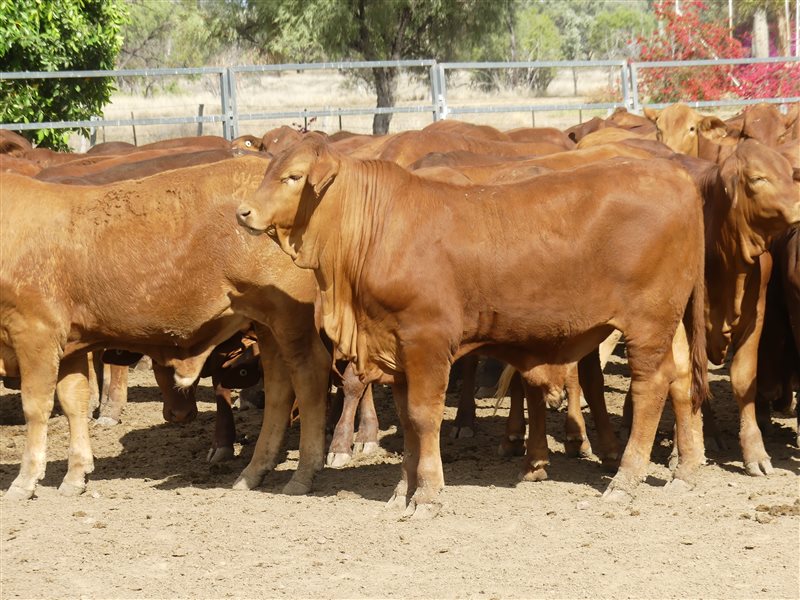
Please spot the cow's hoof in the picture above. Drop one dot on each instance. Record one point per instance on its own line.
(579, 447)
(678, 486)
(511, 447)
(674, 459)
(397, 502)
(218, 455)
(104, 421)
(247, 482)
(17, 493)
(421, 511)
(337, 459)
(759, 468)
(365, 447)
(70, 490)
(610, 462)
(537, 474)
(296, 488)
(620, 490)
(457, 432)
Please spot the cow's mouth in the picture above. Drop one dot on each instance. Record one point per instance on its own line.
(272, 232)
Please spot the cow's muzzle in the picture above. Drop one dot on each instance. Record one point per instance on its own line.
(245, 216)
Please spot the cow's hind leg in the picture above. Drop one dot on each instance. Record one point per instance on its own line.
(591, 381)
(536, 458)
(278, 397)
(341, 449)
(464, 423)
(38, 366)
(224, 425)
(649, 391)
(408, 482)
(367, 435)
(688, 450)
(576, 441)
(513, 444)
(112, 405)
(73, 395)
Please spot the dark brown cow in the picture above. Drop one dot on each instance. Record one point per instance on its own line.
(133, 166)
(13, 144)
(178, 278)
(407, 147)
(410, 275)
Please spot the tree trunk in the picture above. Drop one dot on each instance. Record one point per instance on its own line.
(760, 34)
(385, 88)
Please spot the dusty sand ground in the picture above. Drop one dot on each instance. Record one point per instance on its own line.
(156, 522)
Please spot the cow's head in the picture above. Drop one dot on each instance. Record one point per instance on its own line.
(764, 123)
(763, 188)
(678, 126)
(292, 189)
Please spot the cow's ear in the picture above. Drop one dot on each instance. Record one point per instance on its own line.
(323, 171)
(652, 113)
(713, 128)
(730, 175)
(790, 118)
(796, 174)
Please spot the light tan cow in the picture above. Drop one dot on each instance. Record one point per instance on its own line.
(177, 277)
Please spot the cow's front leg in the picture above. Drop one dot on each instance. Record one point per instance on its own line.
(405, 487)
(367, 436)
(464, 423)
(427, 382)
(536, 458)
(341, 449)
(73, 394)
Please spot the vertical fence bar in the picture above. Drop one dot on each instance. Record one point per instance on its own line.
(200, 109)
(635, 88)
(435, 90)
(135, 143)
(233, 104)
(626, 93)
(223, 94)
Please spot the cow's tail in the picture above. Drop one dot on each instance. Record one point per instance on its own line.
(695, 322)
(504, 382)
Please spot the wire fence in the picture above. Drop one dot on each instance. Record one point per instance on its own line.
(442, 90)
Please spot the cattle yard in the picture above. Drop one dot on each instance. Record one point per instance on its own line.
(703, 215)
(156, 521)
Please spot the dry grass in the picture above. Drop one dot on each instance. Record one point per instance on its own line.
(314, 90)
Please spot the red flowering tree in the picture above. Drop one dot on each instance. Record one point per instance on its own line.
(685, 37)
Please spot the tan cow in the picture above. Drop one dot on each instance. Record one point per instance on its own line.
(681, 128)
(178, 277)
(410, 270)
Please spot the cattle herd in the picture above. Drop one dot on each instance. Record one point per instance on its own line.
(308, 258)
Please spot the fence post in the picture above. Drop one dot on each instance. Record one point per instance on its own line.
(438, 92)
(133, 126)
(635, 88)
(200, 109)
(93, 132)
(626, 94)
(230, 117)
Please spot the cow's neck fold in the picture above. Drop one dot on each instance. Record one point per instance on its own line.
(352, 225)
(733, 247)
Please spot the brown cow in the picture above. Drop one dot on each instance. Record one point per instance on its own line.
(483, 132)
(749, 200)
(550, 135)
(779, 347)
(173, 284)
(405, 310)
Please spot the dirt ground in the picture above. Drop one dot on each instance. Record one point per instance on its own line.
(157, 522)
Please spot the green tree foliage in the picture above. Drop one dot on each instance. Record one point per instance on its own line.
(614, 30)
(163, 34)
(308, 30)
(527, 35)
(57, 35)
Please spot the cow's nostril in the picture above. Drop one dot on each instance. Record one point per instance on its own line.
(243, 212)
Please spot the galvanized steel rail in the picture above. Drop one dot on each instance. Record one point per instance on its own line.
(230, 117)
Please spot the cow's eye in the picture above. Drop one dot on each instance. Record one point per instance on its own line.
(248, 143)
(691, 129)
(291, 178)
